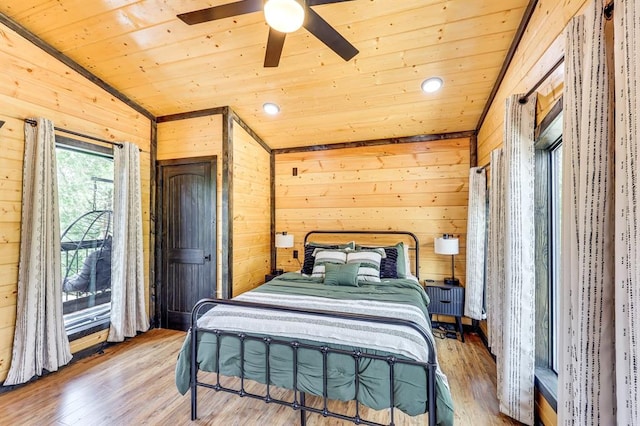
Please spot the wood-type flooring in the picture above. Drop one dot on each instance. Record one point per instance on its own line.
(132, 383)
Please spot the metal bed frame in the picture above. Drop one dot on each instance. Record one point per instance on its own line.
(299, 400)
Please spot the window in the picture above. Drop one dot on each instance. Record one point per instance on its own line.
(555, 239)
(85, 180)
(548, 216)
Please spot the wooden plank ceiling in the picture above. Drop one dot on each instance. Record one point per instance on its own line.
(141, 49)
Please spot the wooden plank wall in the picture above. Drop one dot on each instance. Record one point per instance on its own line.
(33, 83)
(418, 187)
(196, 137)
(541, 46)
(545, 411)
(251, 211)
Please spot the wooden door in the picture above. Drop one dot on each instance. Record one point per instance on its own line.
(187, 192)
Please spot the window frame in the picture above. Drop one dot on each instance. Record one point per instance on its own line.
(548, 138)
(555, 247)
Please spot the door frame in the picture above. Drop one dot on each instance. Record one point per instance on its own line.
(160, 232)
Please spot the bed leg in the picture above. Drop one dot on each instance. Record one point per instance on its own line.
(460, 329)
(303, 412)
(431, 394)
(194, 405)
(194, 374)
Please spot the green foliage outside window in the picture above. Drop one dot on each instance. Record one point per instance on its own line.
(85, 183)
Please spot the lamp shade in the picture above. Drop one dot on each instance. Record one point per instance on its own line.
(284, 240)
(285, 16)
(446, 245)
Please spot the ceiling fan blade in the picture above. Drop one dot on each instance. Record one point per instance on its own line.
(220, 12)
(318, 2)
(328, 35)
(274, 48)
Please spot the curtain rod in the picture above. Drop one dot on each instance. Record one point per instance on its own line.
(480, 169)
(608, 10)
(524, 99)
(608, 14)
(35, 123)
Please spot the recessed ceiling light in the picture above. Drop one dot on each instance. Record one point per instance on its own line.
(431, 85)
(271, 108)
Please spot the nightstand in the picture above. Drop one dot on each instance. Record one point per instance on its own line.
(272, 275)
(446, 300)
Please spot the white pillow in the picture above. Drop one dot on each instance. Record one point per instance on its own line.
(323, 257)
(369, 261)
(407, 261)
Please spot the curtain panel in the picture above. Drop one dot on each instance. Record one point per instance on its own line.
(40, 341)
(476, 238)
(128, 303)
(495, 257)
(627, 198)
(510, 262)
(586, 383)
(572, 107)
(517, 364)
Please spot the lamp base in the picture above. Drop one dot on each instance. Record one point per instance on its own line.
(451, 281)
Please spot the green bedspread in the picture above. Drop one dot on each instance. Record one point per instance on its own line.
(410, 381)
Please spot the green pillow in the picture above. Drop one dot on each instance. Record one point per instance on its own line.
(402, 261)
(345, 274)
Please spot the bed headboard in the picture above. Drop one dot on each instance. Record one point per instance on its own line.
(379, 238)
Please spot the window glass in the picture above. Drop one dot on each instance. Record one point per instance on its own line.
(85, 188)
(555, 186)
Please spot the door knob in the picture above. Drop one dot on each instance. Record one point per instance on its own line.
(207, 257)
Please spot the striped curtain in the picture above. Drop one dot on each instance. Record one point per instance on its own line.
(128, 303)
(476, 235)
(40, 341)
(598, 377)
(495, 257)
(569, 312)
(518, 361)
(511, 263)
(586, 386)
(627, 234)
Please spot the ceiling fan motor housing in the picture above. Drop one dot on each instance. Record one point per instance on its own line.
(295, 13)
(285, 16)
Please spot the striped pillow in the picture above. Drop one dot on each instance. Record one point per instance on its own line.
(311, 247)
(322, 257)
(369, 261)
(389, 264)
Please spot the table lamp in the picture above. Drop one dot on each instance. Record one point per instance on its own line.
(283, 240)
(448, 244)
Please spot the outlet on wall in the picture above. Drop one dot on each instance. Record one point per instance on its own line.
(295, 254)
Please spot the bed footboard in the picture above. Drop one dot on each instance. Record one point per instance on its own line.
(324, 350)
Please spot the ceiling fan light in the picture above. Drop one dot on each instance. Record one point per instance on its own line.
(431, 85)
(285, 16)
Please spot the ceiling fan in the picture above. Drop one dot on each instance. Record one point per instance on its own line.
(283, 16)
